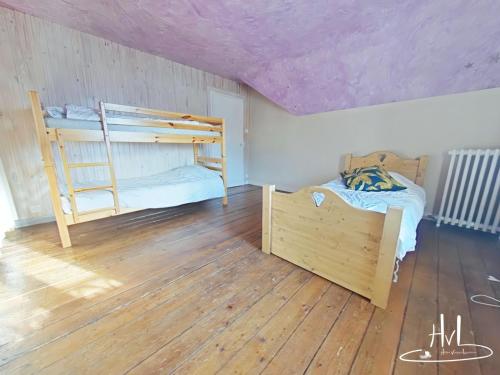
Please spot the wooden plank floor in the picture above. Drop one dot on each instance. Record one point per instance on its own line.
(186, 290)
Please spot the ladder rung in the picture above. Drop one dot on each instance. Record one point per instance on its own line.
(84, 165)
(105, 187)
(207, 159)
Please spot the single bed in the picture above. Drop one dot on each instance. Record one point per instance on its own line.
(412, 200)
(350, 238)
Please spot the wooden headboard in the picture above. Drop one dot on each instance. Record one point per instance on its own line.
(414, 169)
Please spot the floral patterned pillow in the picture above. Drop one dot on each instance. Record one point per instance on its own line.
(370, 179)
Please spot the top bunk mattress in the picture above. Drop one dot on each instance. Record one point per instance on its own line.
(412, 200)
(178, 186)
(65, 123)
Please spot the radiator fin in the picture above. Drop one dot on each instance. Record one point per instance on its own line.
(471, 191)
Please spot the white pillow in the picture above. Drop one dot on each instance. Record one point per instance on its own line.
(402, 179)
(55, 112)
(76, 112)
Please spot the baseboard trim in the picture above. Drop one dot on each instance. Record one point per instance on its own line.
(256, 183)
(21, 223)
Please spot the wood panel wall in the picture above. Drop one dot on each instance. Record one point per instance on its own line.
(67, 66)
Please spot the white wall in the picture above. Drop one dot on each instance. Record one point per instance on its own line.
(292, 151)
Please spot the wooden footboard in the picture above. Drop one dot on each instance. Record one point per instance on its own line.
(351, 247)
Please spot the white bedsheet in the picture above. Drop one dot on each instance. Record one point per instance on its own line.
(412, 200)
(178, 186)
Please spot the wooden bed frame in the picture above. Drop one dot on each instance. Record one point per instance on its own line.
(163, 119)
(352, 247)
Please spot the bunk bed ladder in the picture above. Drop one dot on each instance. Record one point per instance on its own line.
(67, 167)
(67, 174)
(107, 142)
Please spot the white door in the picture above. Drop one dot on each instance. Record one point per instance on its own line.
(231, 107)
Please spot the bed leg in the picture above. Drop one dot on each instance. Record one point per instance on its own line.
(267, 194)
(64, 234)
(386, 257)
(224, 200)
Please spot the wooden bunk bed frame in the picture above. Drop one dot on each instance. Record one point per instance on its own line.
(46, 136)
(349, 246)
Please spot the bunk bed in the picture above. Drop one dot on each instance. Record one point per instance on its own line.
(76, 202)
(350, 242)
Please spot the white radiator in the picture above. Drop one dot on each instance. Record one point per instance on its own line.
(471, 191)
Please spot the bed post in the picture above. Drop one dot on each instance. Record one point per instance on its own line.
(195, 153)
(422, 165)
(48, 163)
(386, 257)
(267, 194)
(347, 162)
(224, 164)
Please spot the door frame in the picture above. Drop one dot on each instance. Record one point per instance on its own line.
(211, 90)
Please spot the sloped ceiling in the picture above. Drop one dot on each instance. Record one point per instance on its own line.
(307, 56)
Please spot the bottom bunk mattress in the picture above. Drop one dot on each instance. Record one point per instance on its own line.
(412, 200)
(178, 186)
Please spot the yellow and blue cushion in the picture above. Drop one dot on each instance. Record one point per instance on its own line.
(370, 179)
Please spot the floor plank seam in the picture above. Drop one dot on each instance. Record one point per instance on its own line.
(263, 296)
(361, 342)
(438, 281)
(344, 306)
(496, 290)
(263, 325)
(197, 321)
(295, 329)
(404, 312)
(467, 294)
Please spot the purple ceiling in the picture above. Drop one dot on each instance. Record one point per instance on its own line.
(308, 56)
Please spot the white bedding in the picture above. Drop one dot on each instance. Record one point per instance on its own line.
(178, 186)
(412, 200)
